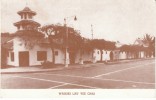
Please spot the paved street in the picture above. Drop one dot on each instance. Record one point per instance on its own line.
(131, 75)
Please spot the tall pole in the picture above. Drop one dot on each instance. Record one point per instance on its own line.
(92, 40)
(66, 60)
(66, 44)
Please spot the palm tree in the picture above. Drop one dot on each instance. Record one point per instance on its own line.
(150, 42)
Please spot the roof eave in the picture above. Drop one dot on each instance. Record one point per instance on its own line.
(32, 12)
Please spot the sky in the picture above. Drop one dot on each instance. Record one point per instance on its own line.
(113, 20)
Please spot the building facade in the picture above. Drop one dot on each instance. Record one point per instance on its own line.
(20, 54)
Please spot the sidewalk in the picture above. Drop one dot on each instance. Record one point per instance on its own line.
(128, 60)
(15, 70)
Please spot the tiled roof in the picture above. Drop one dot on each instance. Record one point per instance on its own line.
(28, 10)
(140, 42)
(29, 33)
(27, 22)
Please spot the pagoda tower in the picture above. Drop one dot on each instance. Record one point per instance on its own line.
(27, 22)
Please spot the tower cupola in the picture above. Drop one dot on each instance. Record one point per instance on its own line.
(26, 13)
(27, 22)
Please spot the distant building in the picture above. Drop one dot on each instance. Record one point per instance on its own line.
(141, 53)
(140, 42)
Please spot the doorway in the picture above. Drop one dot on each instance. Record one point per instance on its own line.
(72, 57)
(24, 58)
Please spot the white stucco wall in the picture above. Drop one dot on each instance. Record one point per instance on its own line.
(142, 54)
(122, 55)
(77, 57)
(60, 58)
(16, 43)
(97, 55)
(33, 55)
(87, 56)
(15, 62)
(105, 55)
(116, 54)
(19, 46)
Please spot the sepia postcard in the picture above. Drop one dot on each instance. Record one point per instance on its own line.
(78, 48)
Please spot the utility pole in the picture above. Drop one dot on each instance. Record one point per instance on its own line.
(66, 41)
(92, 40)
(66, 44)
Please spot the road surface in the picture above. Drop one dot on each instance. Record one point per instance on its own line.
(131, 75)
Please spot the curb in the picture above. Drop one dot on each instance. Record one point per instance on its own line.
(48, 70)
(118, 62)
(18, 72)
(77, 67)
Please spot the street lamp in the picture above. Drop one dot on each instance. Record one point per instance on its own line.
(66, 40)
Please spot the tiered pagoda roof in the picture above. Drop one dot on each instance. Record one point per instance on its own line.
(26, 10)
(26, 22)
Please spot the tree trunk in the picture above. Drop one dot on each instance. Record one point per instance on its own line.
(101, 55)
(53, 56)
(81, 57)
(50, 38)
(72, 55)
